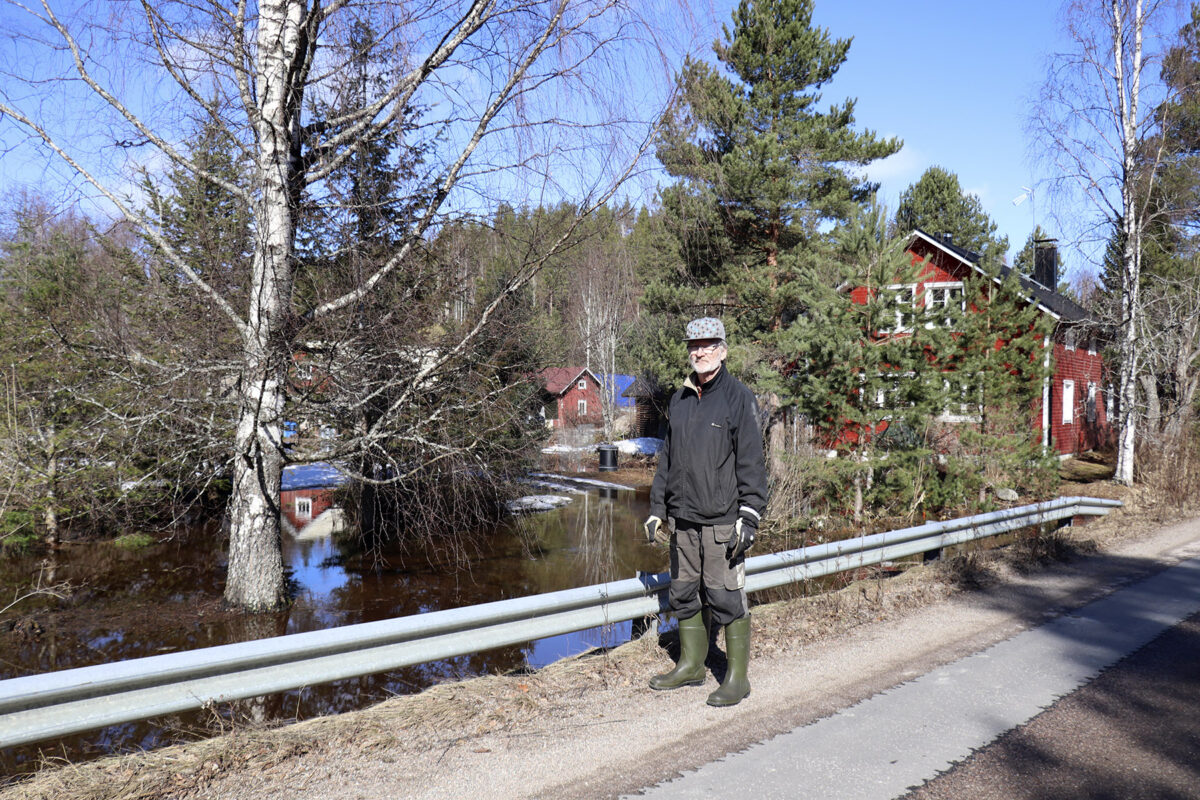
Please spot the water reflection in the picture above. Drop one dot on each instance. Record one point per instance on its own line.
(167, 597)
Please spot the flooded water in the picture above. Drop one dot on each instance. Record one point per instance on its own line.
(165, 598)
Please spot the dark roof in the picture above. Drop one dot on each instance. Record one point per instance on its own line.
(639, 388)
(1060, 306)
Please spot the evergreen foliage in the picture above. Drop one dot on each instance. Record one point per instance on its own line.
(82, 448)
(995, 371)
(862, 374)
(760, 168)
(937, 205)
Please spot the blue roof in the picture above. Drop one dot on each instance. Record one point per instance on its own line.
(622, 383)
(311, 476)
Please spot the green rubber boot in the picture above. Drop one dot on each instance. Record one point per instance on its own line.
(736, 685)
(693, 647)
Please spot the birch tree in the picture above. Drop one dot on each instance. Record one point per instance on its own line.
(1096, 124)
(517, 94)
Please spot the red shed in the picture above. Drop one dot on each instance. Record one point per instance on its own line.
(1071, 415)
(572, 397)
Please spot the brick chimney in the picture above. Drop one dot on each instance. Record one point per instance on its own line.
(1045, 263)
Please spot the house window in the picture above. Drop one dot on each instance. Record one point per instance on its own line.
(304, 371)
(890, 394)
(903, 304)
(1091, 402)
(944, 304)
(1068, 402)
(582, 407)
(582, 386)
(1069, 337)
(960, 405)
(304, 507)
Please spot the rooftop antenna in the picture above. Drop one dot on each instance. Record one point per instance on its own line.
(1027, 194)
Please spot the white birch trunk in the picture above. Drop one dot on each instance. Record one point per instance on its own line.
(1128, 91)
(255, 580)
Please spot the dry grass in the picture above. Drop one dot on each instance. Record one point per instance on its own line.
(456, 713)
(1087, 467)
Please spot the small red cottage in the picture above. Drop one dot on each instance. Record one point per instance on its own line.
(303, 507)
(1071, 415)
(571, 396)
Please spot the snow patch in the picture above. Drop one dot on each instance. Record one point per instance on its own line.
(537, 502)
(590, 482)
(641, 446)
(553, 486)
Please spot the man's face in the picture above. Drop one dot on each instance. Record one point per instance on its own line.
(706, 355)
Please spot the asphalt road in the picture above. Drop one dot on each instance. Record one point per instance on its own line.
(1133, 732)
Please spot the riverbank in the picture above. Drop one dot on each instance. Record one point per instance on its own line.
(589, 727)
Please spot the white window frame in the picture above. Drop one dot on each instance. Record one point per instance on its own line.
(1068, 402)
(304, 507)
(962, 409)
(884, 393)
(581, 407)
(1070, 335)
(900, 310)
(930, 306)
(1091, 410)
(581, 386)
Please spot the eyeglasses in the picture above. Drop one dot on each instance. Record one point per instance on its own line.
(696, 347)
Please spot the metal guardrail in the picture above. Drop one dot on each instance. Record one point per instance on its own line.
(54, 704)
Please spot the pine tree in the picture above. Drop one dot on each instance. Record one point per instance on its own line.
(937, 205)
(73, 432)
(760, 168)
(863, 375)
(995, 371)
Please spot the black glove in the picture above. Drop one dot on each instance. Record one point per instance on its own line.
(743, 536)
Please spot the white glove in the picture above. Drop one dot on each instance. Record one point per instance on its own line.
(656, 531)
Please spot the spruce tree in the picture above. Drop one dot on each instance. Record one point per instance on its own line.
(937, 204)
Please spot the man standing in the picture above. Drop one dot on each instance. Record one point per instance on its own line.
(711, 488)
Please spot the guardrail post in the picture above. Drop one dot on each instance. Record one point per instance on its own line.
(640, 626)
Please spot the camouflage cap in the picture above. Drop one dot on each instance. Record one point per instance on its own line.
(705, 328)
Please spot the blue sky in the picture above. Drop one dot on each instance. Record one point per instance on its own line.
(954, 79)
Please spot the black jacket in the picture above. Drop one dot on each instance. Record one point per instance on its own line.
(711, 464)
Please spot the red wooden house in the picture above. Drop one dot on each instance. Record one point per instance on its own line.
(1071, 414)
(301, 506)
(571, 397)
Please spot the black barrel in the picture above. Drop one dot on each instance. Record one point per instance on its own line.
(608, 457)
